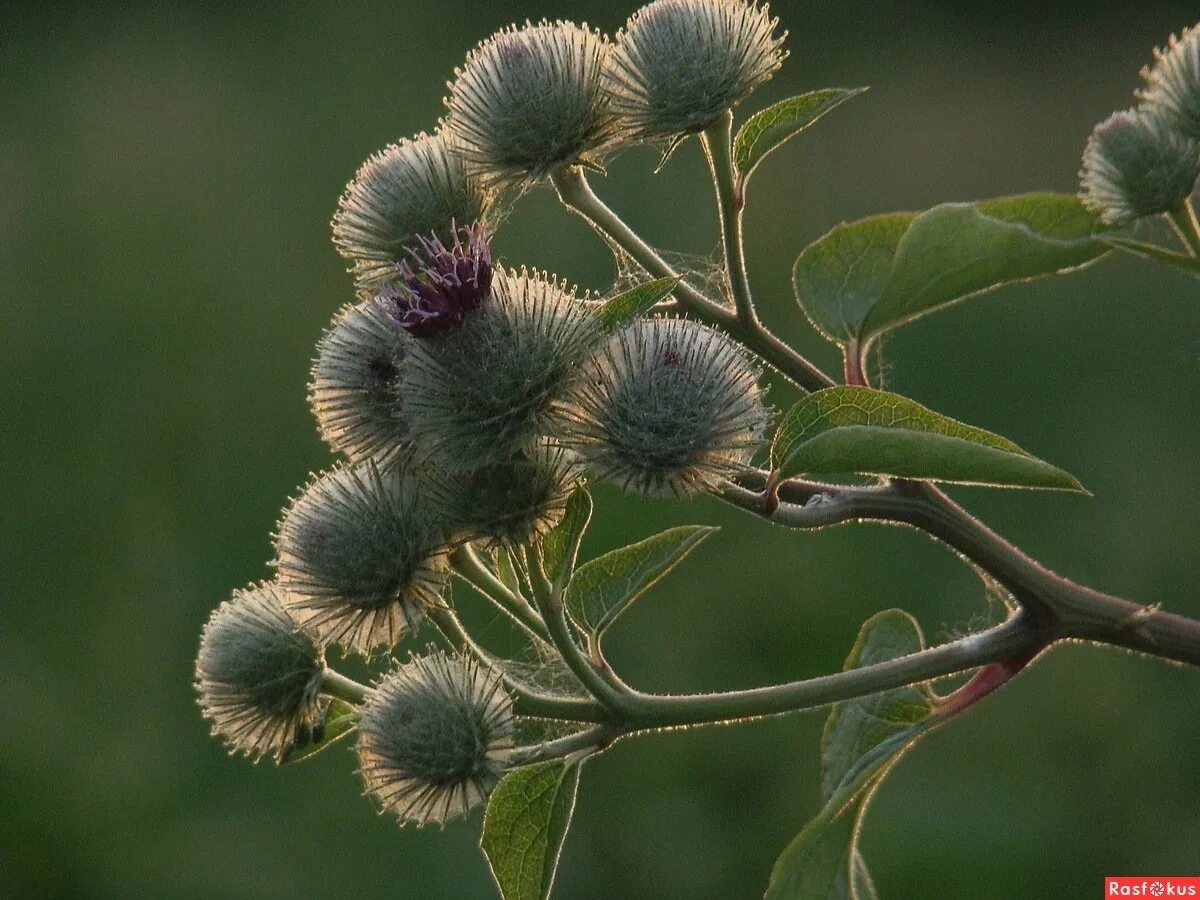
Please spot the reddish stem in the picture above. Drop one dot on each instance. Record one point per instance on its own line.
(770, 494)
(852, 364)
(982, 683)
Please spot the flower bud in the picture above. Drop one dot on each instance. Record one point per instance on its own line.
(447, 284)
(432, 737)
(1173, 83)
(678, 65)
(353, 388)
(511, 502)
(531, 100)
(407, 190)
(360, 556)
(258, 677)
(670, 407)
(1135, 165)
(482, 392)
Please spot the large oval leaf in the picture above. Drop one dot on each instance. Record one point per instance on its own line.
(861, 741)
(524, 827)
(864, 278)
(858, 429)
(959, 249)
(839, 278)
(772, 127)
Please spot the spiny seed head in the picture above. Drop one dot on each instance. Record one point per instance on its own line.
(405, 191)
(447, 283)
(668, 407)
(678, 65)
(353, 389)
(511, 502)
(481, 393)
(360, 556)
(432, 738)
(1135, 165)
(257, 675)
(1173, 83)
(531, 100)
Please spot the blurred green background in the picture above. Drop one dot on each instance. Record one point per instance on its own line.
(166, 180)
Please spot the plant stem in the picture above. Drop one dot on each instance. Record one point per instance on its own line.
(589, 676)
(853, 371)
(528, 702)
(717, 141)
(593, 739)
(471, 569)
(1154, 252)
(1183, 220)
(627, 710)
(335, 684)
(988, 679)
(576, 194)
(1018, 636)
(1052, 606)
(1070, 610)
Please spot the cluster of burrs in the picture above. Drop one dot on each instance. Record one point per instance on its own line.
(1145, 161)
(469, 399)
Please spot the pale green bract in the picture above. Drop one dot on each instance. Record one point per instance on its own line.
(560, 545)
(621, 309)
(769, 129)
(340, 720)
(605, 587)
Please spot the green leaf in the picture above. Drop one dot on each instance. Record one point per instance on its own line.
(524, 827)
(838, 278)
(340, 719)
(618, 311)
(506, 571)
(959, 249)
(866, 277)
(772, 127)
(857, 429)
(604, 587)
(862, 740)
(1181, 261)
(560, 545)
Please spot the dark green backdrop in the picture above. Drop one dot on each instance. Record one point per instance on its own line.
(166, 179)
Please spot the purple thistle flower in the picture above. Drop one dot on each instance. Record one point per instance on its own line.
(441, 285)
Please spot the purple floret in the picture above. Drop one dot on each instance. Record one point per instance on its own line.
(440, 286)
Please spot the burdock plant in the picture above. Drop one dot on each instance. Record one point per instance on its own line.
(475, 401)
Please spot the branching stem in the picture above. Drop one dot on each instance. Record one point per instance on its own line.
(1183, 220)
(577, 661)
(335, 684)
(1071, 610)
(592, 740)
(467, 565)
(529, 702)
(577, 195)
(718, 151)
(1018, 636)
(1051, 607)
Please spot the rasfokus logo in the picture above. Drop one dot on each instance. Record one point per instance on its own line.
(1152, 886)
